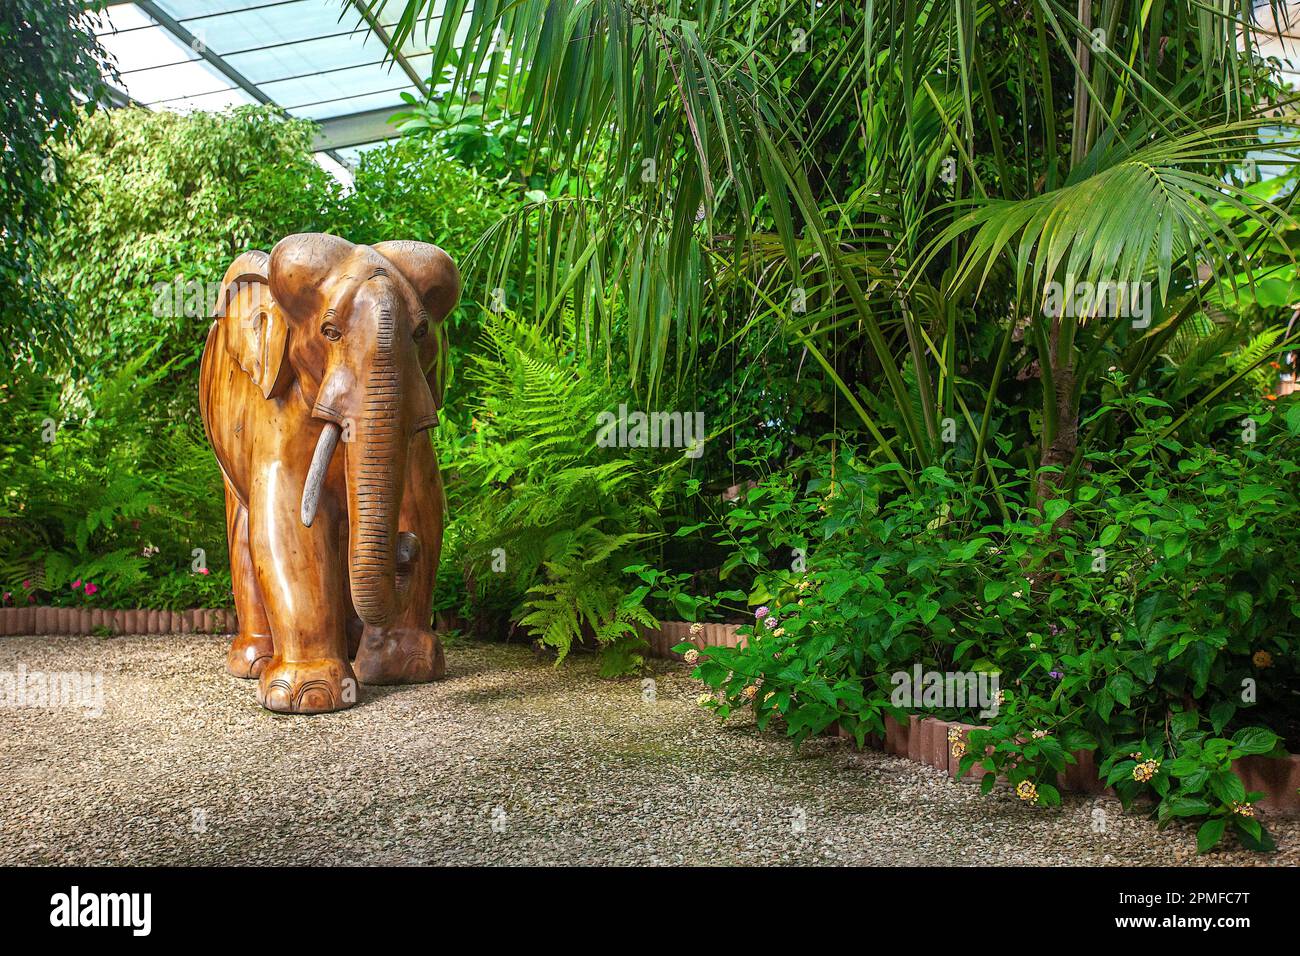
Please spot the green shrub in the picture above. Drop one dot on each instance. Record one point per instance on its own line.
(102, 487)
(1154, 614)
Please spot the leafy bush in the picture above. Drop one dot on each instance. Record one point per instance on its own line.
(1150, 615)
(102, 488)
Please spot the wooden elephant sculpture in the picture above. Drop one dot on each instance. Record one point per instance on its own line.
(333, 550)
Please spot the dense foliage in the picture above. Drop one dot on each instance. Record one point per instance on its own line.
(1036, 255)
(52, 65)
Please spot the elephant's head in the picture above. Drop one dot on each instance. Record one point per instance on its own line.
(360, 331)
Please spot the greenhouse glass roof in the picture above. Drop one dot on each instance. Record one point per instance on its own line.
(323, 60)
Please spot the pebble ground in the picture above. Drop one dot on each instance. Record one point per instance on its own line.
(510, 760)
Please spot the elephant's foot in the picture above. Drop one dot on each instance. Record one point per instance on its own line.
(400, 655)
(249, 654)
(307, 687)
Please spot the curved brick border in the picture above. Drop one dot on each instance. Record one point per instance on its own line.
(85, 620)
(671, 633)
(925, 740)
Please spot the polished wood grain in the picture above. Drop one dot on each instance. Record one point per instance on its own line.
(335, 353)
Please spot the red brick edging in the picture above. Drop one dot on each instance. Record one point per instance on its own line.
(925, 740)
(85, 620)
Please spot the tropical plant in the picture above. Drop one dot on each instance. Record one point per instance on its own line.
(540, 509)
(896, 188)
(103, 487)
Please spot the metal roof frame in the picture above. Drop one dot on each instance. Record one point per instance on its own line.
(338, 132)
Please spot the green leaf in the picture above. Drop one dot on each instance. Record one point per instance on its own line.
(1210, 833)
(1175, 544)
(994, 590)
(1254, 740)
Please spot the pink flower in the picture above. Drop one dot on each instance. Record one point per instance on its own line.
(762, 612)
(204, 571)
(76, 584)
(7, 595)
(27, 585)
(91, 588)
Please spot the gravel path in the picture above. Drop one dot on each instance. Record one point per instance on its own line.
(508, 760)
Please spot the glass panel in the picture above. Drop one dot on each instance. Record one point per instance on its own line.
(210, 102)
(312, 56)
(358, 104)
(343, 83)
(169, 82)
(184, 10)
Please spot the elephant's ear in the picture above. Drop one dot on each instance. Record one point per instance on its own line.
(433, 275)
(256, 333)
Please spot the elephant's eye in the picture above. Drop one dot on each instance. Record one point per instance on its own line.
(421, 331)
(331, 331)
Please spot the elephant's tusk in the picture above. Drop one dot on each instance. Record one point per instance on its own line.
(320, 463)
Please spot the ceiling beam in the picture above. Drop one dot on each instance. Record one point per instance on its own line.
(178, 30)
(339, 132)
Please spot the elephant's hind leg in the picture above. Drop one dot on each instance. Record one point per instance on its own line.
(252, 647)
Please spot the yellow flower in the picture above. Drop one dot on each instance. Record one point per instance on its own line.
(954, 734)
(750, 692)
(691, 656)
(1027, 791)
(1243, 809)
(1262, 659)
(696, 628)
(958, 748)
(779, 632)
(704, 700)
(1039, 734)
(1145, 770)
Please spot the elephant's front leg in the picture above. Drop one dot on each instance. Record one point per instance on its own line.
(409, 651)
(299, 575)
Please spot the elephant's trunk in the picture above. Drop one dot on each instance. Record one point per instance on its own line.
(376, 461)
